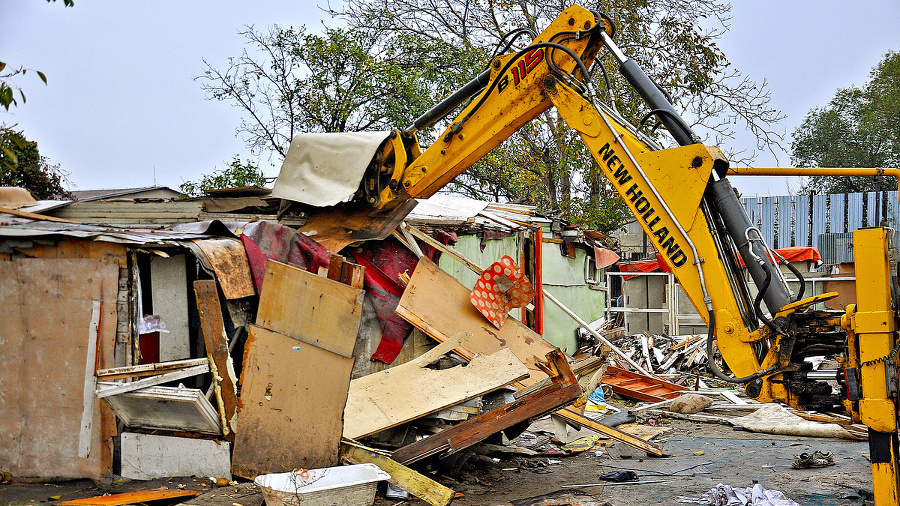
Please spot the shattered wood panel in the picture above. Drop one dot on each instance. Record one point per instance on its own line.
(336, 227)
(216, 340)
(310, 308)
(78, 248)
(563, 389)
(228, 259)
(46, 310)
(439, 305)
(182, 409)
(386, 399)
(291, 407)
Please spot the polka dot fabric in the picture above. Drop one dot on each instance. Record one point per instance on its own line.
(500, 288)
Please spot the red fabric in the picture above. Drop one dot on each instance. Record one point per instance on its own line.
(793, 254)
(645, 266)
(384, 262)
(264, 240)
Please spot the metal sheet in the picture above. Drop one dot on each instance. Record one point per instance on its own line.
(854, 211)
(785, 221)
(767, 219)
(325, 168)
(801, 221)
(838, 209)
(751, 205)
(228, 259)
(871, 209)
(820, 208)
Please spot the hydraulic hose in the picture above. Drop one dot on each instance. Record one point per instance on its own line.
(715, 368)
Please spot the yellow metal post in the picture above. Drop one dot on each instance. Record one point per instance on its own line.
(874, 324)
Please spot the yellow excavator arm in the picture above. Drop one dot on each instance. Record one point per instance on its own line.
(688, 209)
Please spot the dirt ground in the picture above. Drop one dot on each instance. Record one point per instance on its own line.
(698, 456)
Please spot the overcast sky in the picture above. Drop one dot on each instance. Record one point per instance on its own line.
(122, 102)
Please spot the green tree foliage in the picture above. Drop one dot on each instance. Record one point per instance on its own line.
(234, 175)
(22, 165)
(860, 127)
(290, 81)
(545, 163)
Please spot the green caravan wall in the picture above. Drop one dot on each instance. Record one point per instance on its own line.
(563, 278)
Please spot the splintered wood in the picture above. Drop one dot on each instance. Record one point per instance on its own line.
(439, 305)
(388, 398)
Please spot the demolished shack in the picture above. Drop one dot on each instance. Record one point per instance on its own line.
(184, 317)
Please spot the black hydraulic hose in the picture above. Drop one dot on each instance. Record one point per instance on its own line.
(800, 278)
(715, 368)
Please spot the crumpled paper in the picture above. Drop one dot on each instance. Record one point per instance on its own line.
(726, 495)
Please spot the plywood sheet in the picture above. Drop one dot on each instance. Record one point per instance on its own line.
(439, 305)
(400, 394)
(310, 308)
(290, 413)
(46, 309)
(169, 288)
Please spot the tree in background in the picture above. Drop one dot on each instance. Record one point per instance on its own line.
(234, 175)
(22, 165)
(545, 164)
(396, 59)
(860, 127)
(290, 81)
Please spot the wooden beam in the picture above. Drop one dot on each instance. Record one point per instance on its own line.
(33, 216)
(106, 389)
(416, 484)
(130, 498)
(579, 420)
(223, 378)
(562, 390)
(132, 371)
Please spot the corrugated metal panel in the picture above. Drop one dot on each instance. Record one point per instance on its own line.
(837, 214)
(854, 211)
(820, 208)
(767, 219)
(893, 210)
(836, 248)
(871, 209)
(801, 223)
(785, 221)
(750, 207)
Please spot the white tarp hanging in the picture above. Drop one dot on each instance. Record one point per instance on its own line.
(325, 168)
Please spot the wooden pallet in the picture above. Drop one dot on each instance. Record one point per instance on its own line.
(637, 386)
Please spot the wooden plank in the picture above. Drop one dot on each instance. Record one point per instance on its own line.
(439, 305)
(397, 395)
(132, 371)
(228, 260)
(106, 388)
(131, 498)
(562, 390)
(291, 404)
(416, 484)
(90, 384)
(309, 308)
(212, 324)
(579, 420)
(33, 216)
